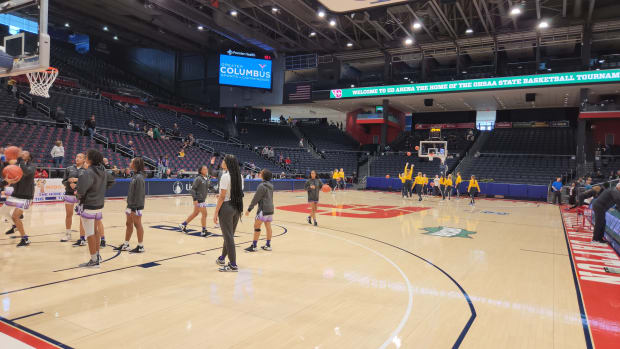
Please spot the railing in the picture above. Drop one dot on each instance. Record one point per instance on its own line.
(187, 118)
(44, 109)
(218, 132)
(235, 140)
(204, 126)
(124, 150)
(25, 97)
(29, 121)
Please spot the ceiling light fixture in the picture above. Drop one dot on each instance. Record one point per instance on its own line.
(417, 25)
(321, 13)
(274, 9)
(349, 44)
(233, 13)
(515, 11)
(105, 28)
(312, 34)
(332, 22)
(201, 27)
(408, 41)
(115, 37)
(67, 25)
(469, 31)
(543, 25)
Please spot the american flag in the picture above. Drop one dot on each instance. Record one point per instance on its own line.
(303, 93)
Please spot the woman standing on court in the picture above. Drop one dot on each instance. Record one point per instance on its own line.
(91, 187)
(448, 185)
(69, 180)
(199, 191)
(135, 205)
(228, 211)
(264, 198)
(473, 189)
(313, 187)
(418, 185)
(456, 183)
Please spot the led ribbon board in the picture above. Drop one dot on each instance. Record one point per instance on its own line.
(590, 77)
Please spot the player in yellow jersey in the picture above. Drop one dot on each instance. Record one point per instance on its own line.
(343, 182)
(335, 180)
(425, 184)
(418, 185)
(408, 173)
(456, 184)
(442, 187)
(448, 184)
(473, 189)
(403, 180)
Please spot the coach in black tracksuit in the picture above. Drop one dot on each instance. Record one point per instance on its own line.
(604, 202)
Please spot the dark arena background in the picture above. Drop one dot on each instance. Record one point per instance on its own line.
(414, 174)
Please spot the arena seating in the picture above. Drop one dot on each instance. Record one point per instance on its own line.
(328, 137)
(39, 140)
(524, 155)
(543, 140)
(260, 135)
(8, 103)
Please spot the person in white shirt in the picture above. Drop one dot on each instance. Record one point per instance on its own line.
(228, 211)
(58, 154)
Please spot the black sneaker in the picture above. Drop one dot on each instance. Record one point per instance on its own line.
(219, 261)
(99, 259)
(102, 244)
(11, 231)
(23, 243)
(90, 264)
(251, 248)
(80, 242)
(183, 228)
(315, 224)
(228, 268)
(205, 233)
(122, 247)
(138, 249)
(309, 220)
(266, 248)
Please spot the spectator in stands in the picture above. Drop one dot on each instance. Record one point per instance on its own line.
(287, 161)
(132, 124)
(58, 154)
(14, 89)
(265, 152)
(59, 116)
(281, 158)
(156, 133)
(137, 127)
(175, 130)
(181, 153)
(127, 173)
(21, 111)
(604, 202)
(556, 191)
(131, 147)
(301, 142)
(191, 140)
(91, 126)
(283, 175)
(271, 153)
(9, 85)
(588, 184)
(150, 133)
(40, 173)
(106, 164)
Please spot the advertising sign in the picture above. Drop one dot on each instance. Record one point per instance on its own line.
(245, 72)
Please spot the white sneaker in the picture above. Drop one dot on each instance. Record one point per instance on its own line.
(66, 237)
(217, 226)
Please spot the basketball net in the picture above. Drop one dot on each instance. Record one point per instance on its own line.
(41, 81)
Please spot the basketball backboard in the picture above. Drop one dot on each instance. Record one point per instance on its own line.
(356, 5)
(433, 149)
(27, 48)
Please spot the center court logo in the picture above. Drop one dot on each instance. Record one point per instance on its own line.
(448, 232)
(177, 188)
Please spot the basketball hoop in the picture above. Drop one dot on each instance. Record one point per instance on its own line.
(41, 81)
(430, 156)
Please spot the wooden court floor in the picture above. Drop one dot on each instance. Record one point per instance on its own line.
(378, 272)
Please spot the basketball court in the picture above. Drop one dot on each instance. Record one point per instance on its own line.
(378, 272)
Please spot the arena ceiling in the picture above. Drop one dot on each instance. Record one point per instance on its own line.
(294, 26)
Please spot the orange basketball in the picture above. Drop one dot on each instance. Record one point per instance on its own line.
(417, 147)
(387, 176)
(12, 173)
(11, 153)
(326, 188)
(408, 153)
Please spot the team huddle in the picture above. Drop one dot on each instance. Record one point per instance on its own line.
(441, 185)
(86, 183)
